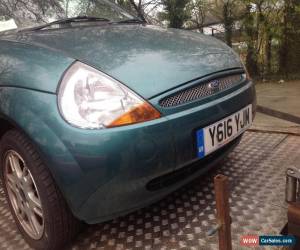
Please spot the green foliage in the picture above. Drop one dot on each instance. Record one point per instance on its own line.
(289, 51)
(250, 34)
(125, 4)
(274, 42)
(198, 11)
(176, 12)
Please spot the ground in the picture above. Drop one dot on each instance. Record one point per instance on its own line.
(256, 170)
(283, 97)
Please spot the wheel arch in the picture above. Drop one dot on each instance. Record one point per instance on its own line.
(5, 126)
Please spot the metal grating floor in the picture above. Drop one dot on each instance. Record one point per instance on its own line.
(180, 221)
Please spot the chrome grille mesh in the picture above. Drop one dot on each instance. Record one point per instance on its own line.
(202, 90)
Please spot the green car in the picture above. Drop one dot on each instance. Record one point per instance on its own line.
(102, 114)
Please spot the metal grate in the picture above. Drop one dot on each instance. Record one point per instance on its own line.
(202, 90)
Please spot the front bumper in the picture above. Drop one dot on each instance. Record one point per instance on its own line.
(103, 174)
(123, 199)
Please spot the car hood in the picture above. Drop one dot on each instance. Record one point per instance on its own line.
(148, 59)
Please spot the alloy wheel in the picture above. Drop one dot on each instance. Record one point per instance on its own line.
(23, 195)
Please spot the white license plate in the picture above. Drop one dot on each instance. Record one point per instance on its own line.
(213, 137)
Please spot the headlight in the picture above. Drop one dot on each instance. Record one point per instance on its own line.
(90, 99)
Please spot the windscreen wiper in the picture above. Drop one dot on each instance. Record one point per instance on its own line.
(69, 20)
(133, 20)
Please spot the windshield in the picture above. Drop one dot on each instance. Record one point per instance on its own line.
(21, 14)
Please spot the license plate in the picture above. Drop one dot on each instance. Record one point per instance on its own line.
(213, 137)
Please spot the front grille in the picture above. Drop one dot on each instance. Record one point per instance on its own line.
(203, 89)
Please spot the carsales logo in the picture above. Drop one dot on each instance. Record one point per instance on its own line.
(249, 240)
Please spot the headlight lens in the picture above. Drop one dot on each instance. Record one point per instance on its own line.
(91, 99)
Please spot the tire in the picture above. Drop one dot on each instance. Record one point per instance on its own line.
(34, 195)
